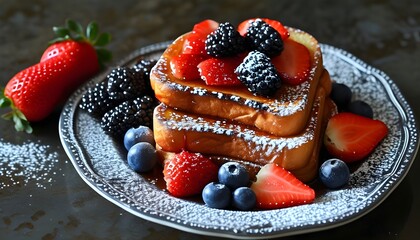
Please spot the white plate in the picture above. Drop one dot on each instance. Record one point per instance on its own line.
(100, 161)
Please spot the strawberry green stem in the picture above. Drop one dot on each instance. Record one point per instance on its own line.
(21, 123)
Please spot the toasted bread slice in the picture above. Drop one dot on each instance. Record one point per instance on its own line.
(285, 114)
(175, 130)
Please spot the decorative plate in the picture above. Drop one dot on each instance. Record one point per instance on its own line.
(101, 163)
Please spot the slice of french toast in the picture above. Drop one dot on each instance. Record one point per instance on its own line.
(175, 130)
(284, 114)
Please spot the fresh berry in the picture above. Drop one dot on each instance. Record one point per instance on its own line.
(361, 108)
(216, 195)
(124, 84)
(128, 114)
(334, 173)
(96, 100)
(351, 137)
(186, 174)
(142, 157)
(225, 41)
(233, 175)
(244, 199)
(220, 71)
(143, 67)
(243, 27)
(294, 62)
(194, 44)
(341, 95)
(136, 135)
(259, 74)
(205, 27)
(70, 60)
(263, 38)
(277, 188)
(184, 66)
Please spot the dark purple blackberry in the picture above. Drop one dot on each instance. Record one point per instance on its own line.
(143, 68)
(264, 38)
(225, 41)
(131, 113)
(259, 74)
(96, 100)
(124, 83)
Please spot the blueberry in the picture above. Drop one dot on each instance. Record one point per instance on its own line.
(341, 94)
(244, 198)
(136, 135)
(233, 175)
(142, 157)
(360, 108)
(334, 173)
(216, 195)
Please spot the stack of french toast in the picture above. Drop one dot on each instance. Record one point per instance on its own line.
(234, 124)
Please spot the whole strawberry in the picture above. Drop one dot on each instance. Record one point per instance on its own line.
(72, 58)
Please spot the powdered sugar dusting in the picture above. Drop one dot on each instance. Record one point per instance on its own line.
(24, 163)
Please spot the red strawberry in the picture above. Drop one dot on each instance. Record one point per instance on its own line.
(186, 174)
(34, 92)
(184, 66)
(277, 188)
(243, 27)
(220, 71)
(195, 42)
(352, 137)
(293, 63)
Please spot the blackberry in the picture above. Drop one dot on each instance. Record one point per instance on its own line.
(225, 41)
(259, 74)
(131, 113)
(96, 100)
(143, 68)
(264, 38)
(124, 83)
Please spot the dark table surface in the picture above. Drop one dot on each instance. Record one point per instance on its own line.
(43, 197)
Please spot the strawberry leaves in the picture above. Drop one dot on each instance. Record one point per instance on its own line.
(21, 123)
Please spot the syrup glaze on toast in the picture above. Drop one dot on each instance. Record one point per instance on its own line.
(285, 114)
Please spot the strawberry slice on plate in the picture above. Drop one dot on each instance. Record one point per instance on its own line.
(293, 63)
(278, 188)
(186, 174)
(352, 137)
(220, 71)
(243, 27)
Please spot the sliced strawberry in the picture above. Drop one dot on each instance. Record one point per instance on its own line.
(184, 66)
(277, 188)
(293, 63)
(243, 27)
(205, 27)
(220, 71)
(186, 174)
(194, 44)
(352, 137)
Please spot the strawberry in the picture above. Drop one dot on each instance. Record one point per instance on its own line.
(243, 27)
(186, 174)
(72, 58)
(220, 71)
(293, 63)
(352, 137)
(277, 188)
(184, 66)
(195, 41)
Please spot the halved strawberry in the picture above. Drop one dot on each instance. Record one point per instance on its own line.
(205, 27)
(293, 63)
(278, 188)
(352, 137)
(243, 27)
(186, 174)
(195, 41)
(184, 66)
(220, 71)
